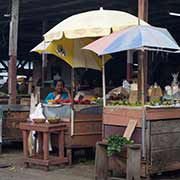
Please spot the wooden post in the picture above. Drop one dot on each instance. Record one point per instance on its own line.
(44, 56)
(143, 9)
(0, 148)
(101, 162)
(13, 38)
(142, 56)
(133, 162)
(29, 68)
(129, 64)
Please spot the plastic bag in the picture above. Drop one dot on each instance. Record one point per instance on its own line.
(38, 113)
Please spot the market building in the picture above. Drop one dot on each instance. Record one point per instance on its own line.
(139, 88)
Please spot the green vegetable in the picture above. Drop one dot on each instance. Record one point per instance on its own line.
(99, 101)
(116, 143)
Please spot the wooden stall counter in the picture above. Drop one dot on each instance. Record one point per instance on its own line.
(157, 130)
(120, 115)
(84, 130)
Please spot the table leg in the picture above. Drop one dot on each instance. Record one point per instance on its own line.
(69, 155)
(25, 143)
(35, 144)
(40, 143)
(61, 144)
(25, 134)
(46, 145)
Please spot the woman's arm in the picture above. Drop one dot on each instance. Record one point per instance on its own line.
(68, 92)
(50, 96)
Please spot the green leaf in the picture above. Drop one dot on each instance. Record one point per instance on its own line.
(116, 143)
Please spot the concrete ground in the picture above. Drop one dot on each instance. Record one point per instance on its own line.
(17, 170)
(79, 171)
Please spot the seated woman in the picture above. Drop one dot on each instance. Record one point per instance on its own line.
(61, 92)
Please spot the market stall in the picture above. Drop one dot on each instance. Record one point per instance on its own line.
(65, 41)
(10, 118)
(83, 116)
(84, 128)
(157, 119)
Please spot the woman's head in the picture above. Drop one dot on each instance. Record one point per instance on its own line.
(59, 86)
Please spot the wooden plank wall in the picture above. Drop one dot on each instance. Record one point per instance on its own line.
(165, 145)
(11, 121)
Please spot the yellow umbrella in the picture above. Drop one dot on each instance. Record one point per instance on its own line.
(88, 24)
(41, 47)
(72, 53)
(92, 24)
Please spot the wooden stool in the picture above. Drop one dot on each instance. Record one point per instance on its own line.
(43, 131)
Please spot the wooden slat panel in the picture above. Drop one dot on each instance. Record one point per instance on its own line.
(165, 141)
(168, 167)
(163, 113)
(165, 126)
(88, 127)
(165, 158)
(121, 117)
(85, 141)
(165, 145)
(87, 117)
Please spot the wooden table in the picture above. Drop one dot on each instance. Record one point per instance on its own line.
(43, 131)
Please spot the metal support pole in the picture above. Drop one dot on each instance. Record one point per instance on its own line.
(103, 82)
(143, 134)
(72, 96)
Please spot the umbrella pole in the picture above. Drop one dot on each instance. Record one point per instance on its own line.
(72, 105)
(142, 71)
(103, 82)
